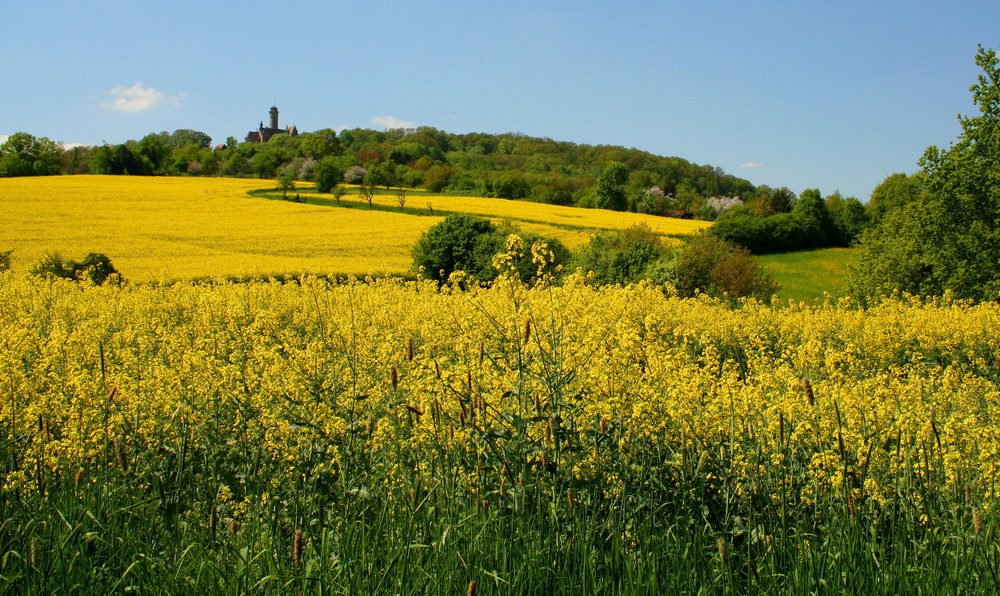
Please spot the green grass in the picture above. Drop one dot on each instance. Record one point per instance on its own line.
(809, 275)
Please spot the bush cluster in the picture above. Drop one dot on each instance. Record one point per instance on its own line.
(706, 264)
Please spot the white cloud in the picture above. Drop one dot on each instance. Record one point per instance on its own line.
(392, 122)
(752, 164)
(138, 98)
(3, 139)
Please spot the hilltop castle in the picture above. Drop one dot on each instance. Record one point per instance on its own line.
(263, 135)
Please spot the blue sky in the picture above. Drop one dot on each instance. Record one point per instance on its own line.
(833, 95)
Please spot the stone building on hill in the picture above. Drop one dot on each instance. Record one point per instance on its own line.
(263, 134)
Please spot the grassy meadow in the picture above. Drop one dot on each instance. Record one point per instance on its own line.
(160, 228)
(810, 275)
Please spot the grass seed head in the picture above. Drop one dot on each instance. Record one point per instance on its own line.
(34, 552)
(297, 548)
(723, 549)
(808, 390)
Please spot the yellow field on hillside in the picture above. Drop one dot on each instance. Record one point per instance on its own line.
(175, 228)
(573, 226)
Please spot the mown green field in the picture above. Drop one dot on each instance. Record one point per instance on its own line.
(811, 274)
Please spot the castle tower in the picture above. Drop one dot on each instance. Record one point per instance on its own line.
(274, 117)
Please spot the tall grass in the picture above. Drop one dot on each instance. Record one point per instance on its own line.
(395, 438)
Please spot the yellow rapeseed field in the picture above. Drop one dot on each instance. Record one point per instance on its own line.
(167, 228)
(770, 405)
(176, 228)
(573, 226)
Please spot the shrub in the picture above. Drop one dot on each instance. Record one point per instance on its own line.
(95, 267)
(620, 257)
(720, 268)
(459, 243)
(53, 265)
(776, 233)
(355, 175)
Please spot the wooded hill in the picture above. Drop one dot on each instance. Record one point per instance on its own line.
(511, 165)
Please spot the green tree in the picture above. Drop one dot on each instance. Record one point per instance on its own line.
(812, 206)
(25, 155)
(948, 239)
(185, 136)
(382, 173)
(327, 174)
(511, 186)
(610, 189)
(286, 180)
(849, 218)
(894, 192)
(320, 144)
(776, 201)
(438, 177)
(95, 267)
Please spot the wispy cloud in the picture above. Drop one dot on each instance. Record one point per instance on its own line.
(392, 122)
(752, 164)
(138, 98)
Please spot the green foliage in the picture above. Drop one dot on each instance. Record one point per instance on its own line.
(810, 223)
(510, 165)
(777, 233)
(458, 243)
(438, 177)
(948, 239)
(620, 257)
(894, 192)
(811, 206)
(719, 268)
(511, 186)
(470, 244)
(774, 202)
(849, 218)
(5, 260)
(95, 268)
(320, 144)
(185, 137)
